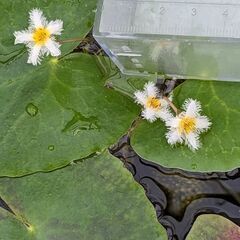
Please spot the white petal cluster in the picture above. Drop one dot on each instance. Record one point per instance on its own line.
(154, 106)
(186, 127)
(39, 37)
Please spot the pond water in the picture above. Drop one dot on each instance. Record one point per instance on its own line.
(178, 196)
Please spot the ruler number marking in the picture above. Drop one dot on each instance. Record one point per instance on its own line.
(194, 11)
(225, 13)
(162, 10)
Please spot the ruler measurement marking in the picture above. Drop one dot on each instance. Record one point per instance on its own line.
(223, 25)
(186, 3)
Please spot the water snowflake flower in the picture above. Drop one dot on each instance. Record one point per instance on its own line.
(39, 37)
(154, 106)
(187, 126)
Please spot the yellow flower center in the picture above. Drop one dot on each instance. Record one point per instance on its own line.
(153, 102)
(41, 35)
(187, 125)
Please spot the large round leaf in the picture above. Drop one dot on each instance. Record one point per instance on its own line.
(220, 146)
(77, 16)
(94, 199)
(57, 112)
(214, 227)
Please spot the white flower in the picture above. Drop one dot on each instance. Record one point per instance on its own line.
(154, 106)
(187, 126)
(39, 36)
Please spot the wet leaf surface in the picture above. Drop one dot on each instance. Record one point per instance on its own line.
(93, 199)
(221, 145)
(57, 112)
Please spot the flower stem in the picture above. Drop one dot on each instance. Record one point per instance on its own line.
(174, 108)
(71, 40)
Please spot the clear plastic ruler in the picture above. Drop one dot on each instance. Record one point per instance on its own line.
(200, 18)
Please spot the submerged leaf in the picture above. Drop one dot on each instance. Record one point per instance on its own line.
(214, 227)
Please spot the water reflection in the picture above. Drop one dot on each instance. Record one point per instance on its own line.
(178, 196)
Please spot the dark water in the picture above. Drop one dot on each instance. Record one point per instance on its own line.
(180, 196)
(4, 205)
(90, 46)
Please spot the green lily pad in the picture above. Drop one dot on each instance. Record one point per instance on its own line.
(77, 16)
(220, 146)
(93, 199)
(214, 227)
(57, 112)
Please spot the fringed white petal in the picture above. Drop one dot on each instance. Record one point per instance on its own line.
(55, 27)
(192, 107)
(203, 123)
(164, 114)
(37, 19)
(45, 51)
(173, 137)
(149, 114)
(150, 89)
(34, 55)
(164, 103)
(24, 36)
(192, 141)
(53, 47)
(140, 97)
(173, 122)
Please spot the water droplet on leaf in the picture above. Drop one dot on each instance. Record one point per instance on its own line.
(194, 166)
(81, 123)
(31, 110)
(51, 147)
